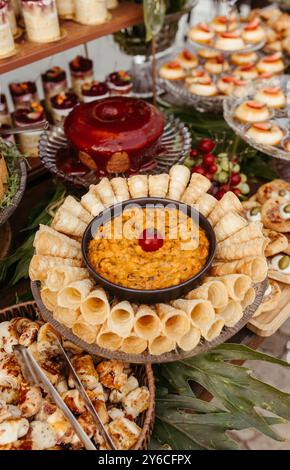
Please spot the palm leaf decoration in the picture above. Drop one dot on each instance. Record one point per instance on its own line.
(185, 422)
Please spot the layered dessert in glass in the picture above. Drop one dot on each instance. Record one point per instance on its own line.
(5, 117)
(23, 94)
(41, 20)
(120, 83)
(81, 69)
(54, 82)
(94, 91)
(7, 45)
(91, 12)
(23, 118)
(61, 105)
(66, 9)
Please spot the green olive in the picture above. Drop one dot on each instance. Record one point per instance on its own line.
(282, 192)
(284, 262)
(255, 210)
(287, 209)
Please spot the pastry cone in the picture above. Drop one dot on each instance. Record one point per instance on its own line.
(49, 298)
(3, 170)
(229, 202)
(189, 341)
(120, 188)
(107, 339)
(105, 192)
(200, 312)
(161, 345)
(49, 244)
(231, 314)
(39, 265)
(60, 236)
(147, 324)
(277, 242)
(249, 298)
(237, 285)
(84, 331)
(134, 344)
(59, 277)
(121, 319)
(68, 224)
(179, 178)
(213, 291)
(158, 185)
(205, 204)
(198, 186)
(175, 322)
(96, 308)
(214, 329)
(138, 186)
(65, 316)
(242, 250)
(254, 266)
(72, 295)
(249, 232)
(229, 224)
(76, 209)
(92, 202)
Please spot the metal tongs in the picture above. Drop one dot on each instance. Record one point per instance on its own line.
(23, 130)
(33, 374)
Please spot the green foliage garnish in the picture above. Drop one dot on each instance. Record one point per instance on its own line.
(11, 154)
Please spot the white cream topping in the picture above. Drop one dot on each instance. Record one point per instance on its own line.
(284, 214)
(253, 217)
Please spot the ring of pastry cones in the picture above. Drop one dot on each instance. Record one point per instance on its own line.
(208, 315)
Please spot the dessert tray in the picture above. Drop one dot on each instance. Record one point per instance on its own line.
(174, 147)
(217, 309)
(279, 116)
(248, 48)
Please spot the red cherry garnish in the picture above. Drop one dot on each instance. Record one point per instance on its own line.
(187, 55)
(206, 145)
(199, 169)
(255, 105)
(272, 91)
(194, 153)
(253, 25)
(273, 57)
(150, 240)
(235, 179)
(208, 159)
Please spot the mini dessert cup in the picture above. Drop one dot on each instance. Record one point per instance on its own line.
(5, 117)
(23, 94)
(66, 9)
(7, 46)
(91, 12)
(29, 141)
(81, 70)
(7, 137)
(41, 20)
(62, 105)
(120, 83)
(16, 7)
(54, 82)
(12, 19)
(94, 91)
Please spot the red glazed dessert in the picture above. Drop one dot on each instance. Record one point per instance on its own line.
(115, 134)
(23, 94)
(94, 91)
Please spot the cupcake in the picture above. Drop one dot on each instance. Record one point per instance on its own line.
(41, 20)
(244, 58)
(246, 72)
(5, 117)
(204, 87)
(22, 118)
(7, 137)
(7, 46)
(253, 32)
(201, 33)
(94, 91)
(266, 133)
(54, 82)
(23, 94)
(120, 83)
(222, 24)
(271, 64)
(172, 71)
(81, 69)
(91, 12)
(252, 111)
(271, 96)
(187, 60)
(217, 65)
(230, 42)
(62, 105)
(65, 9)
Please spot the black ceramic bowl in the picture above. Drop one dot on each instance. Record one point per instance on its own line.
(156, 295)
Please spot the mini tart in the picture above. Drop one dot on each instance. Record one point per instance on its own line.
(244, 58)
(226, 84)
(266, 133)
(196, 75)
(279, 268)
(187, 60)
(231, 41)
(204, 87)
(240, 87)
(271, 96)
(252, 111)
(252, 211)
(172, 71)
(271, 298)
(201, 33)
(276, 215)
(271, 64)
(221, 24)
(274, 189)
(207, 54)
(277, 242)
(253, 32)
(246, 72)
(217, 65)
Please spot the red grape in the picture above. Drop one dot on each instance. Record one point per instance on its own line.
(209, 176)
(208, 159)
(237, 191)
(206, 145)
(235, 179)
(224, 187)
(194, 153)
(199, 169)
(220, 194)
(212, 169)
